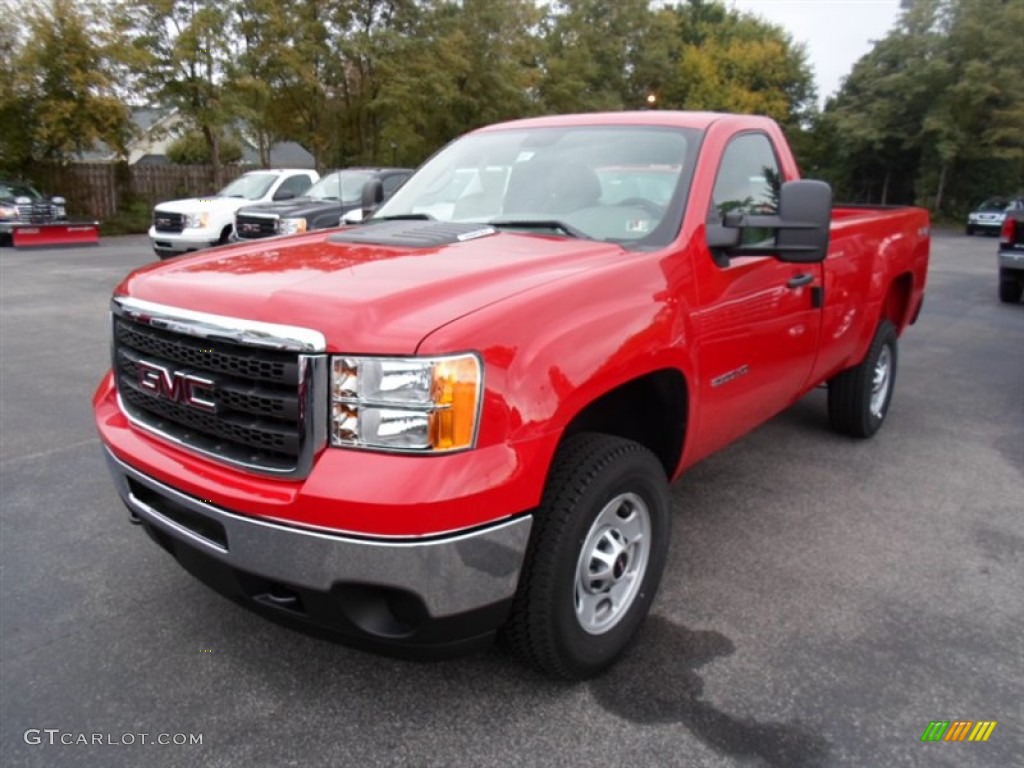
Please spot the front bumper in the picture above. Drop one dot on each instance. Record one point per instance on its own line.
(1011, 259)
(989, 225)
(182, 242)
(426, 594)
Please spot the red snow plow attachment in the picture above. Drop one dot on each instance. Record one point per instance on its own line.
(55, 233)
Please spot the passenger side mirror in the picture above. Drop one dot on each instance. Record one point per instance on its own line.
(373, 195)
(801, 227)
(284, 194)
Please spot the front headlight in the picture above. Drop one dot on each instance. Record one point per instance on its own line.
(405, 404)
(197, 220)
(291, 226)
(8, 211)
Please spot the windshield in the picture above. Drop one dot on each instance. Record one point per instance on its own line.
(251, 186)
(346, 186)
(9, 191)
(621, 184)
(993, 204)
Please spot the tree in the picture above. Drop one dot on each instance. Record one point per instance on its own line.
(591, 48)
(735, 62)
(193, 149)
(60, 89)
(467, 65)
(697, 54)
(933, 113)
(256, 73)
(180, 50)
(15, 98)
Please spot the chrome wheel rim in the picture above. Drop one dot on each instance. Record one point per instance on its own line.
(880, 382)
(612, 563)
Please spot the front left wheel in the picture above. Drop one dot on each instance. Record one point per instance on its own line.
(597, 550)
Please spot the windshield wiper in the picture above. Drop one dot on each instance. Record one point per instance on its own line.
(552, 224)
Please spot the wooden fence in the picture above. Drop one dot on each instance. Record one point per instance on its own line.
(100, 190)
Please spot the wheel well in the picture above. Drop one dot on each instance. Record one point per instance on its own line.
(650, 410)
(897, 301)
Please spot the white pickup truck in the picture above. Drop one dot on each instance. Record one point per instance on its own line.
(180, 226)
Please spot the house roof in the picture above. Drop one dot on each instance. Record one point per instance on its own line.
(147, 149)
(283, 154)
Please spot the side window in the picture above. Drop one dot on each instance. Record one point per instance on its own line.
(297, 185)
(748, 179)
(392, 183)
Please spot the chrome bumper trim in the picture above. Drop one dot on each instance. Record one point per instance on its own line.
(452, 575)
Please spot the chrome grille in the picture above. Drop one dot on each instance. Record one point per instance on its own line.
(248, 227)
(35, 213)
(263, 407)
(165, 221)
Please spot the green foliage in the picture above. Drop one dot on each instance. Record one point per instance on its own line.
(133, 217)
(733, 62)
(193, 149)
(390, 81)
(180, 51)
(934, 113)
(59, 95)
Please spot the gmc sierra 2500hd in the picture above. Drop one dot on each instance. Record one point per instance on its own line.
(462, 416)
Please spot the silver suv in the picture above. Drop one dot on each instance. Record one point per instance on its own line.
(988, 217)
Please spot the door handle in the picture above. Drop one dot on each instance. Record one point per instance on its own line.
(800, 280)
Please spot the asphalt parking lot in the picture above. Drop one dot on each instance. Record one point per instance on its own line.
(825, 599)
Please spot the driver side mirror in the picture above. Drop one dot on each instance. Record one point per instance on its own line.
(373, 195)
(284, 194)
(801, 227)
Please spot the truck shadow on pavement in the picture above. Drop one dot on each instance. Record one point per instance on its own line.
(654, 682)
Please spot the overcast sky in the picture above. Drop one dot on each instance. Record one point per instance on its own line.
(836, 32)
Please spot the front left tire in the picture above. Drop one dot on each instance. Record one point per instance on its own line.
(597, 551)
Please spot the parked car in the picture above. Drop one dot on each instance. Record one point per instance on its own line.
(181, 226)
(422, 430)
(319, 207)
(29, 218)
(988, 217)
(1011, 257)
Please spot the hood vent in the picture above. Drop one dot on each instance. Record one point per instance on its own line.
(412, 233)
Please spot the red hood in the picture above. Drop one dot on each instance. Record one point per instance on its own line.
(363, 298)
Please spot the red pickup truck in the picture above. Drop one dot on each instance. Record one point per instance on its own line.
(462, 416)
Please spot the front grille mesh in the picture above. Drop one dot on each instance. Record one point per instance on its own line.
(165, 221)
(232, 360)
(36, 213)
(254, 226)
(256, 394)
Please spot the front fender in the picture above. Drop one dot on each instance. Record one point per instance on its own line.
(551, 351)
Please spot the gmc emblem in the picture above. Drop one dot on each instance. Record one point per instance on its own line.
(163, 222)
(177, 386)
(247, 227)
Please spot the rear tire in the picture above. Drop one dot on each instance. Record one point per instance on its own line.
(859, 397)
(1011, 288)
(598, 547)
